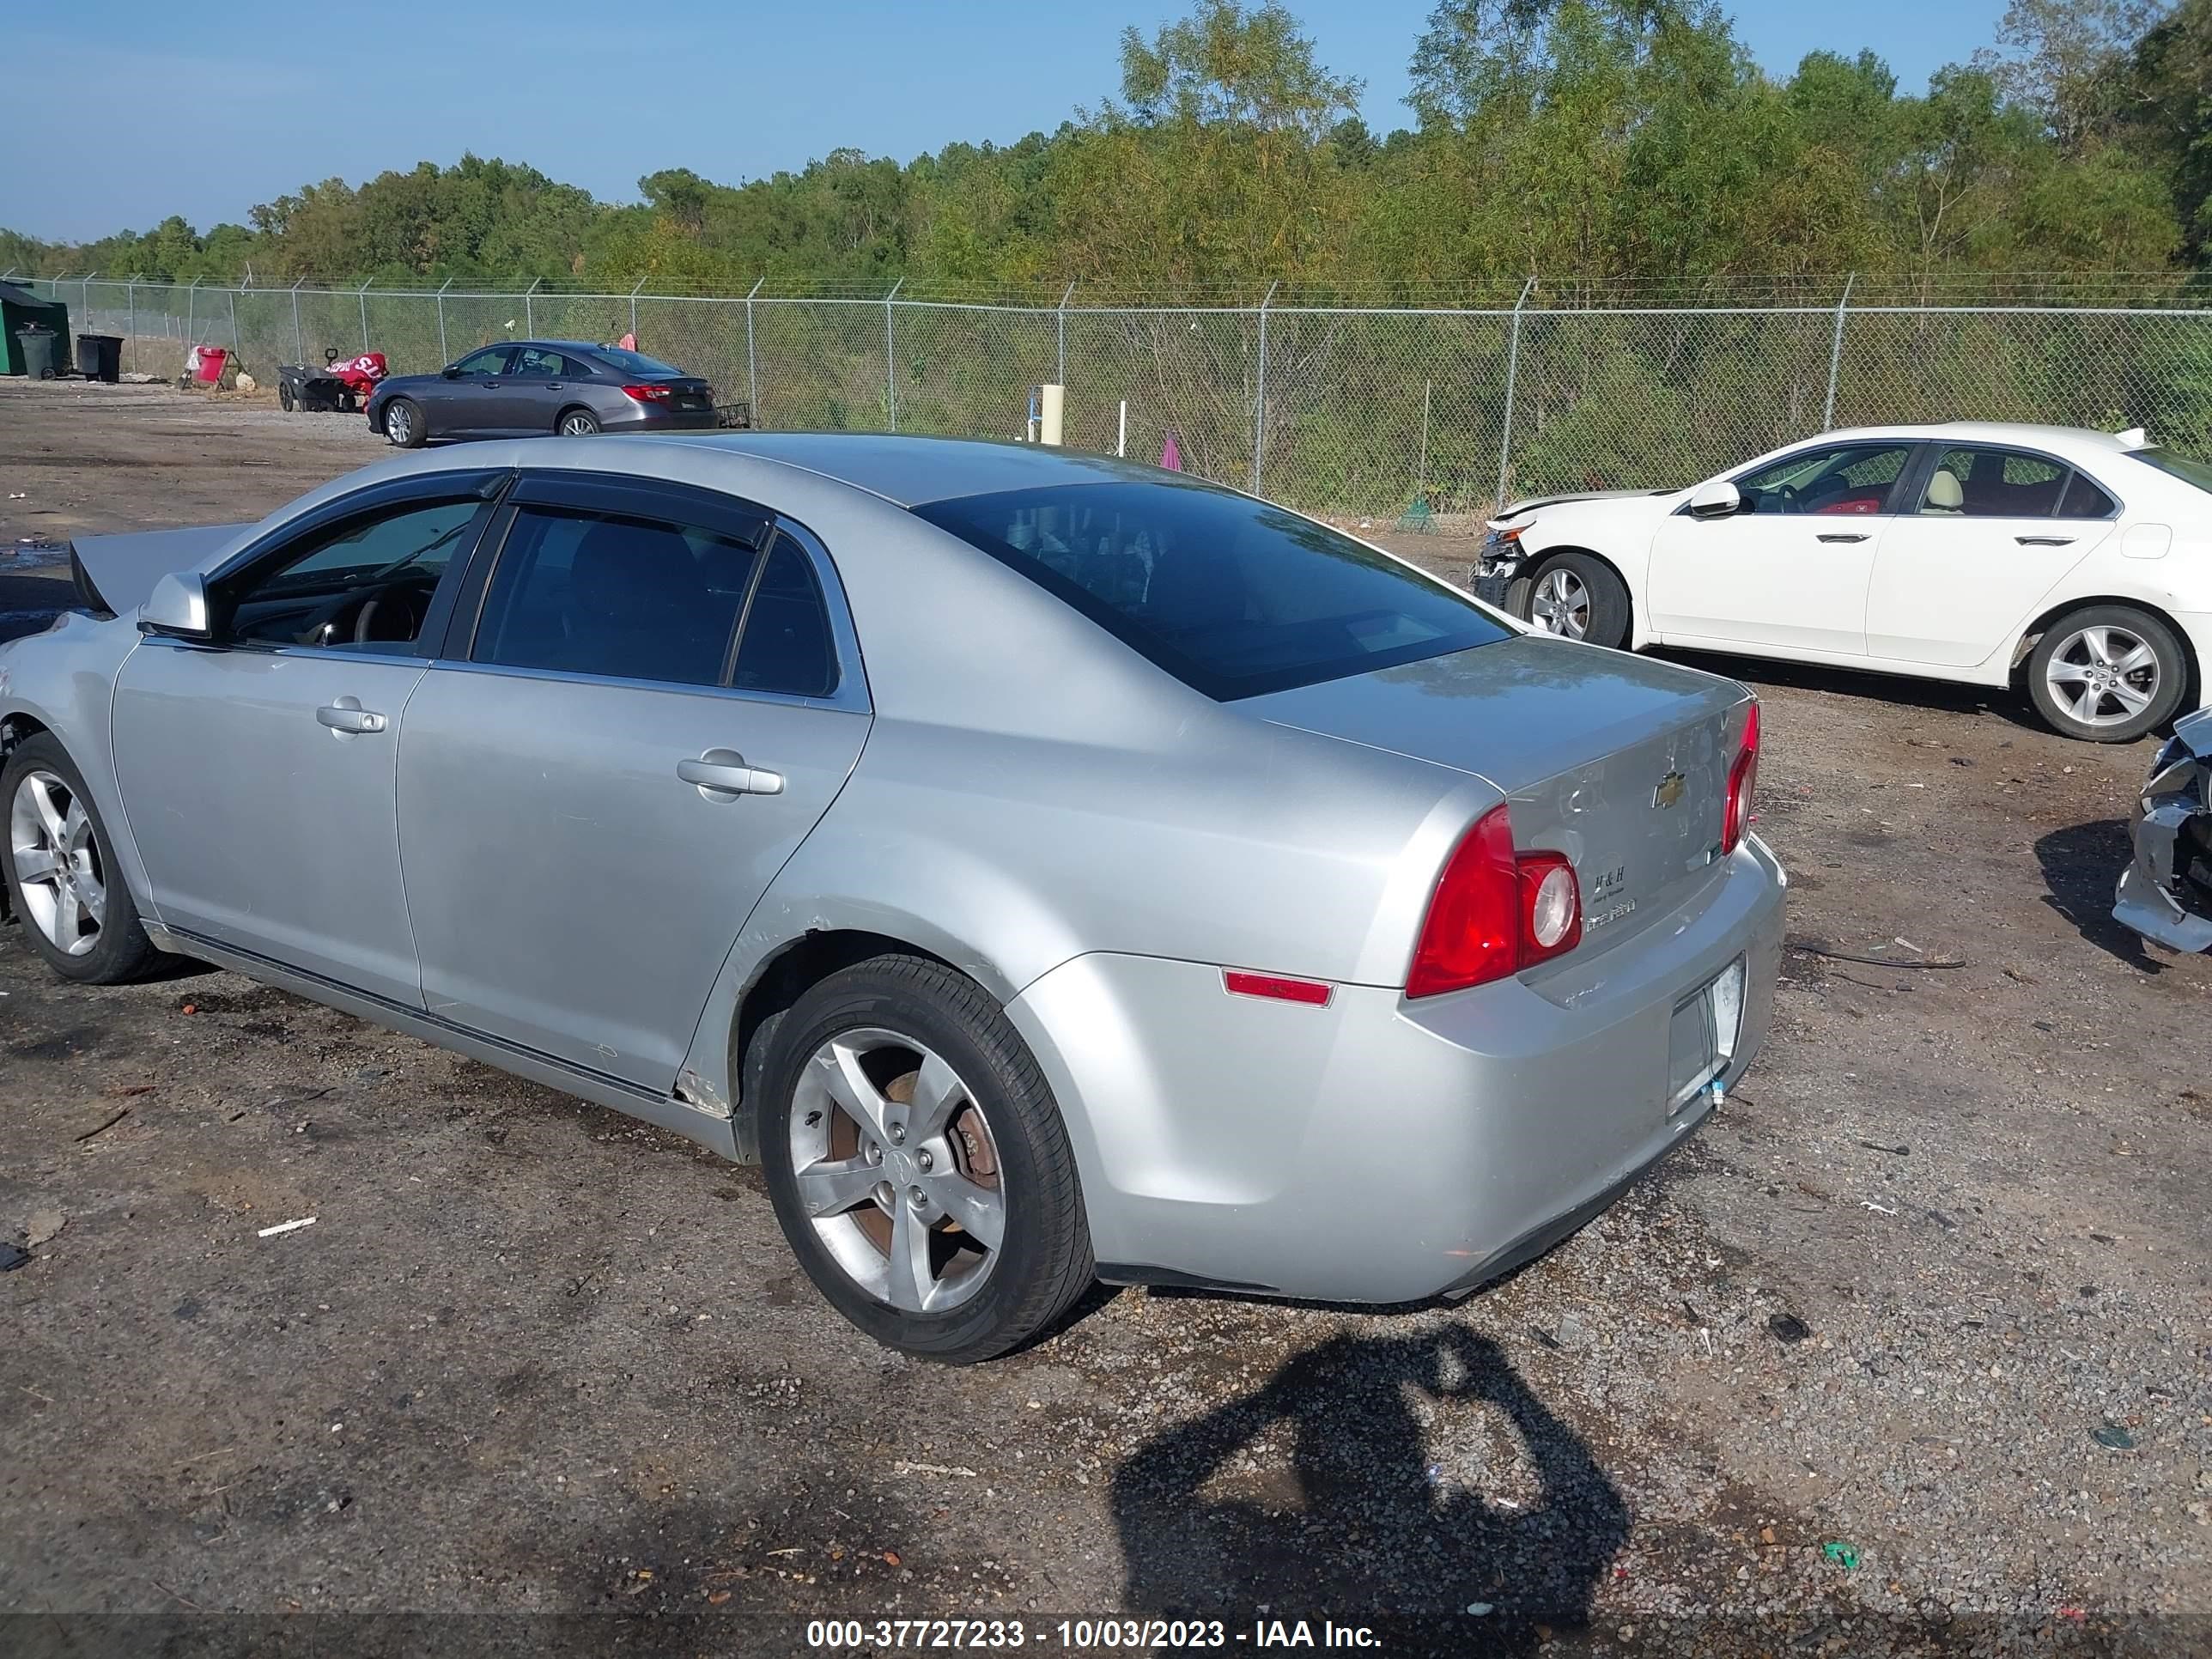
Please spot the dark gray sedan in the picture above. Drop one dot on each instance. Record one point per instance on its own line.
(523, 388)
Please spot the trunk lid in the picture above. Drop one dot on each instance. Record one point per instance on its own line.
(1617, 761)
(684, 390)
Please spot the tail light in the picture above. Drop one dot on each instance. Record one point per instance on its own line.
(1495, 912)
(1743, 778)
(647, 394)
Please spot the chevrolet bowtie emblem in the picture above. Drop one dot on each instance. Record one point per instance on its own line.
(1669, 791)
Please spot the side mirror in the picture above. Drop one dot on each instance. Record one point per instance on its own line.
(1716, 500)
(451, 370)
(177, 609)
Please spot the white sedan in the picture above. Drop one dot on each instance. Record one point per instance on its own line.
(2077, 562)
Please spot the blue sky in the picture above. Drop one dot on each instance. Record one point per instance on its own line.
(207, 110)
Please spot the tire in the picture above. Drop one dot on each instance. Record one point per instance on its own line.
(576, 423)
(2079, 681)
(39, 791)
(901, 1020)
(404, 425)
(1578, 597)
(284, 396)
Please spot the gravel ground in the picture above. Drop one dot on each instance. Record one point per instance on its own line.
(1908, 1351)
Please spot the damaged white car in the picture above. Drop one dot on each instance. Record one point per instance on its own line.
(2166, 892)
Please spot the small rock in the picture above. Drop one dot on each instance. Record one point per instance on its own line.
(43, 1224)
(1788, 1329)
(2113, 1435)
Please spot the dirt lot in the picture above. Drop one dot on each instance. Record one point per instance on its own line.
(1908, 1351)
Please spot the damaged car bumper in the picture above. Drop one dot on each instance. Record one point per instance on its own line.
(2166, 892)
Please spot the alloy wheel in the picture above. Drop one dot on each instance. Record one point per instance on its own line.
(56, 859)
(1562, 603)
(897, 1170)
(398, 424)
(577, 426)
(2103, 675)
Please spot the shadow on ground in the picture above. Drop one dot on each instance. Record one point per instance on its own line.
(2081, 865)
(1347, 1519)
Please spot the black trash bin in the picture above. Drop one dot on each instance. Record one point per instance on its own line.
(100, 357)
(38, 351)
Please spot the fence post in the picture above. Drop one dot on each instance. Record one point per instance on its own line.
(633, 308)
(130, 291)
(363, 297)
(191, 315)
(299, 344)
(444, 355)
(1063, 333)
(1512, 375)
(236, 350)
(891, 355)
(1259, 400)
(753, 362)
(1835, 354)
(530, 308)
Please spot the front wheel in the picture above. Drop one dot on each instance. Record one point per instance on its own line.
(404, 425)
(577, 423)
(919, 1165)
(284, 396)
(61, 872)
(1579, 598)
(2107, 673)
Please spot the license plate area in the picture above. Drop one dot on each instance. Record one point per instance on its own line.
(1701, 1038)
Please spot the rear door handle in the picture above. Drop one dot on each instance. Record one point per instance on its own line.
(2044, 541)
(348, 718)
(1843, 535)
(722, 774)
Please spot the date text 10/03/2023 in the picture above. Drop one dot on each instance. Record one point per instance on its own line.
(1079, 1635)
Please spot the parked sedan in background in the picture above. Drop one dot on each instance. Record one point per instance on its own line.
(523, 388)
(1047, 866)
(2077, 562)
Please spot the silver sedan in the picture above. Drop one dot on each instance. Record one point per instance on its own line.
(1049, 868)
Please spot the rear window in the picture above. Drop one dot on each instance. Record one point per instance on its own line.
(2180, 466)
(634, 362)
(1231, 596)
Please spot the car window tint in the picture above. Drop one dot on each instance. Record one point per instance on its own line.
(636, 363)
(1848, 478)
(628, 598)
(1232, 596)
(490, 362)
(2084, 500)
(533, 363)
(786, 645)
(1970, 482)
(364, 586)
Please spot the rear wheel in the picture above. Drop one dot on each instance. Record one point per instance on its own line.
(577, 423)
(2107, 673)
(403, 424)
(919, 1165)
(61, 872)
(284, 396)
(1579, 598)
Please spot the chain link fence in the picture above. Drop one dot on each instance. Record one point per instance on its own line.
(1350, 412)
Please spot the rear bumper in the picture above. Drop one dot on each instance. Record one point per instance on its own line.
(646, 417)
(1378, 1151)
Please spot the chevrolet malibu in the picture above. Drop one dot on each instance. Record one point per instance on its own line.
(1049, 868)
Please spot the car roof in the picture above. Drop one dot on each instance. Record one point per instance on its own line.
(2023, 433)
(910, 471)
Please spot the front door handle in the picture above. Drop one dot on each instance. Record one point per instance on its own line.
(552, 385)
(348, 718)
(1843, 535)
(2044, 541)
(722, 774)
